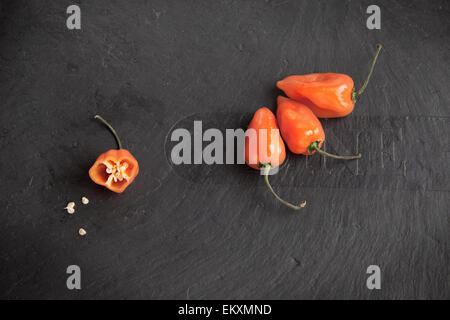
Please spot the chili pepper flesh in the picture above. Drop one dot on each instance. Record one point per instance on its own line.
(265, 123)
(114, 169)
(328, 95)
(302, 130)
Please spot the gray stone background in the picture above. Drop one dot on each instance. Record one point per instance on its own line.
(198, 232)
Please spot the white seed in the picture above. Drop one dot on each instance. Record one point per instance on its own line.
(82, 232)
(85, 200)
(70, 205)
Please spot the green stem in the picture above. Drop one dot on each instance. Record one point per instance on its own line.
(266, 168)
(110, 129)
(366, 82)
(315, 147)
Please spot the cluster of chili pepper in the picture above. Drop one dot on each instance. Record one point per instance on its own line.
(310, 97)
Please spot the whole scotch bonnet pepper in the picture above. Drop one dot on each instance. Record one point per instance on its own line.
(328, 95)
(264, 148)
(301, 129)
(264, 119)
(114, 169)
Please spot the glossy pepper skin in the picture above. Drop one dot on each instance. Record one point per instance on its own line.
(328, 95)
(115, 170)
(299, 126)
(275, 152)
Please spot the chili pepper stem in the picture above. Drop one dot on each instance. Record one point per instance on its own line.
(266, 169)
(110, 129)
(315, 147)
(366, 82)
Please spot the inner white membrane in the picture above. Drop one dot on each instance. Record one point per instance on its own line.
(116, 171)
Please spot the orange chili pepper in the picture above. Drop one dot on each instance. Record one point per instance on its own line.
(328, 95)
(264, 148)
(301, 129)
(114, 169)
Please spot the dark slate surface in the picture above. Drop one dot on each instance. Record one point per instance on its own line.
(215, 231)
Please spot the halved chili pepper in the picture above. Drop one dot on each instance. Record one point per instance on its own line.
(263, 133)
(301, 129)
(114, 169)
(328, 95)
